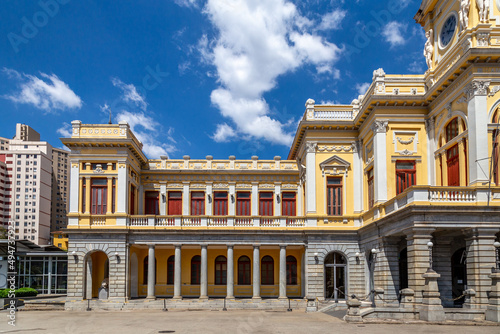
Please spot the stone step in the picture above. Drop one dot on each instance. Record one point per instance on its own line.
(43, 306)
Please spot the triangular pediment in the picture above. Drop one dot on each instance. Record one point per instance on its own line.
(334, 166)
(335, 161)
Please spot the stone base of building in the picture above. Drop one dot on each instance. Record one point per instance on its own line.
(187, 304)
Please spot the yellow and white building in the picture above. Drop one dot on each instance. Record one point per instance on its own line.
(364, 189)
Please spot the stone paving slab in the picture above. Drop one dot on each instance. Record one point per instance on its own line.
(207, 322)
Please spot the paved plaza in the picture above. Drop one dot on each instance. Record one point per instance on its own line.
(235, 322)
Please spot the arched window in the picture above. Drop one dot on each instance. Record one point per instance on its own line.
(291, 270)
(195, 270)
(171, 269)
(244, 270)
(220, 270)
(145, 269)
(267, 271)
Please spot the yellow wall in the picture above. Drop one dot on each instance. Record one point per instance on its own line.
(188, 290)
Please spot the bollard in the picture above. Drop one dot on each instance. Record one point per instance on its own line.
(165, 305)
(289, 307)
(224, 309)
(88, 305)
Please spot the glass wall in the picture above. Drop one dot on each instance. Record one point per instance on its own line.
(46, 274)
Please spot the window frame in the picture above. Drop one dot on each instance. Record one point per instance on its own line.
(220, 270)
(405, 178)
(337, 208)
(244, 270)
(267, 270)
(266, 204)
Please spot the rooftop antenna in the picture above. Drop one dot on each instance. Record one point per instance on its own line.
(109, 116)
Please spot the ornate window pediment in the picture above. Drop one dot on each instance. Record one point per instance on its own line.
(334, 166)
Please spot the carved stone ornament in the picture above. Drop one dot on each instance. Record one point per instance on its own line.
(494, 90)
(380, 126)
(463, 14)
(196, 185)
(220, 185)
(311, 147)
(406, 152)
(405, 142)
(289, 186)
(429, 48)
(483, 6)
(379, 73)
(463, 99)
(483, 39)
(266, 185)
(334, 148)
(175, 185)
(243, 185)
(477, 88)
(98, 170)
(429, 123)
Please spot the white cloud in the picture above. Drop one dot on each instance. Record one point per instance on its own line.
(146, 129)
(416, 67)
(333, 20)
(257, 41)
(187, 3)
(130, 93)
(394, 32)
(48, 93)
(65, 130)
(223, 133)
(361, 88)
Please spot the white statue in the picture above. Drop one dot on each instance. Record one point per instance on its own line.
(429, 48)
(483, 7)
(464, 14)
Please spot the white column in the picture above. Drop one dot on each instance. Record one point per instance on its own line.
(163, 199)
(185, 199)
(379, 129)
(256, 272)
(431, 147)
(311, 177)
(49, 277)
(300, 207)
(74, 184)
(151, 272)
(277, 205)
(477, 109)
(209, 203)
(231, 204)
(230, 272)
(204, 273)
(282, 271)
(255, 199)
(122, 191)
(357, 167)
(177, 272)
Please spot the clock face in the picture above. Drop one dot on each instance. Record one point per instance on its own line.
(448, 30)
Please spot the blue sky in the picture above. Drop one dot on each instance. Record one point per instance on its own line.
(218, 77)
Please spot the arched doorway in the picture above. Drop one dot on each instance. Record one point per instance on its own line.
(97, 267)
(335, 276)
(459, 275)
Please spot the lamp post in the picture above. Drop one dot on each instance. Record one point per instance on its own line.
(430, 245)
(374, 252)
(497, 257)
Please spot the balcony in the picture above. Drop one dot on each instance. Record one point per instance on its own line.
(434, 196)
(152, 221)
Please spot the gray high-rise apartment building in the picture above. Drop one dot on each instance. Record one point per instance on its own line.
(34, 186)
